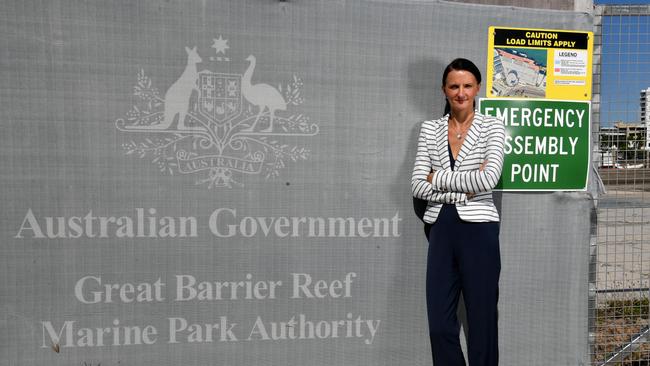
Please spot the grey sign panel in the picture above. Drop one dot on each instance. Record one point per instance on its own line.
(193, 183)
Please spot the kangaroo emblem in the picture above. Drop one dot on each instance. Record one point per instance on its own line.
(177, 98)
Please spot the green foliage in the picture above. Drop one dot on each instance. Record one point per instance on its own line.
(628, 309)
(630, 146)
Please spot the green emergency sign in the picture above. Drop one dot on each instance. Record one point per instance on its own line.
(547, 144)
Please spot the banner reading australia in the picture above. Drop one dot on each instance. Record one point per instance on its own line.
(228, 183)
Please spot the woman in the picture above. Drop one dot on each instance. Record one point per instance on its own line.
(458, 162)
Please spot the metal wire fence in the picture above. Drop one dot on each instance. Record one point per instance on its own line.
(620, 249)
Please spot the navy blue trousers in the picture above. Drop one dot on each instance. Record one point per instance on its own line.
(463, 257)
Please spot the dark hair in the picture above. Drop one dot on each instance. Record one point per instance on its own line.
(460, 64)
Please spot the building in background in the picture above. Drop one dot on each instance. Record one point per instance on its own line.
(645, 101)
(621, 146)
(645, 116)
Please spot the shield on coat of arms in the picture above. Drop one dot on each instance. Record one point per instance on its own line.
(220, 97)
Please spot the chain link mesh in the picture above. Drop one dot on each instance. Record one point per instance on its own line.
(620, 275)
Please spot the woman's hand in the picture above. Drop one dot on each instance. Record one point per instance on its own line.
(430, 176)
(483, 165)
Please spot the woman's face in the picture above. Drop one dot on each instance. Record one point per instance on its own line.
(460, 89)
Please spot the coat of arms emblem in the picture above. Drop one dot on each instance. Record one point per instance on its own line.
(218, 126)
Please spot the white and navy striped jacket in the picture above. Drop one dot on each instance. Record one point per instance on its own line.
(484, 141)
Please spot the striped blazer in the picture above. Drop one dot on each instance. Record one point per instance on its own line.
(484, 141)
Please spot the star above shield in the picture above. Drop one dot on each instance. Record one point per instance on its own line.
(220, 45)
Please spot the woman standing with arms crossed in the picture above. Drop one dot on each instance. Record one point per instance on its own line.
(458, 161)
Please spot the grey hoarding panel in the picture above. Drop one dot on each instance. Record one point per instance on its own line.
(273, 224)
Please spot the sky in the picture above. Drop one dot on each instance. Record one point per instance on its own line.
(625, 65)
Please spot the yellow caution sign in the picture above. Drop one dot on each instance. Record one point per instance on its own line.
(539, 63)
